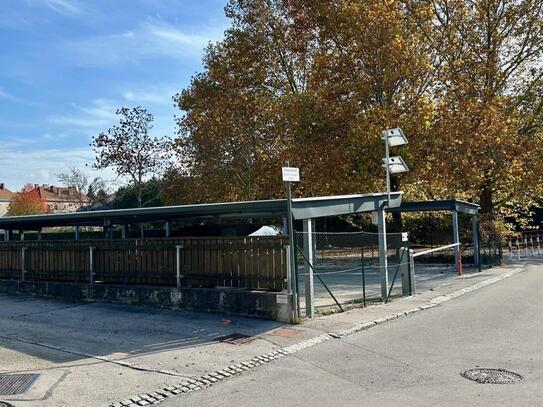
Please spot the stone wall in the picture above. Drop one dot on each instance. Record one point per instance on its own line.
(266, 305)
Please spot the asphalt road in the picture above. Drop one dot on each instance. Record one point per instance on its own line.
(413, 361)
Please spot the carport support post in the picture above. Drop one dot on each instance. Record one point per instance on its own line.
(179, 264)
(456, 237)
(292, 244)
(309, 261)
(23, 263)
(383, 258)
(475, 238)
(91, 263)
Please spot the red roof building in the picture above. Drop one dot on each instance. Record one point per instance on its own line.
(60, 199)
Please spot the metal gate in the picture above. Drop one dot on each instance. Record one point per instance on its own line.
(346, 269)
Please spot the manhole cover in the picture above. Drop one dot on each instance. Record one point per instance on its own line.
(492, 376)
(16, 383)
(235, 339)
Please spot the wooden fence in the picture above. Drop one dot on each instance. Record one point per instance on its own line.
(257, 263)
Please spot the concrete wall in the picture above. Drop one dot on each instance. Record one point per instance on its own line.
(228, 301)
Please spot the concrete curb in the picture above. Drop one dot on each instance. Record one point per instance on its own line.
(199, 383)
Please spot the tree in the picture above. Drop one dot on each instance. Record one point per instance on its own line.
(127, 197)
(78, 180)
(27, 202)
(487, 117)
(97, 192)
(315, 81)
(290, 80)
(130, 150)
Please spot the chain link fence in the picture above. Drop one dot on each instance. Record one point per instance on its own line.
(346, 270)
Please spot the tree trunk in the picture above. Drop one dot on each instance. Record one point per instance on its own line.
(485, 201)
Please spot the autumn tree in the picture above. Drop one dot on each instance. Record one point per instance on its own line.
(312, 82)
(27, 202)
(315, 81)
(130, 150)
(487, 120)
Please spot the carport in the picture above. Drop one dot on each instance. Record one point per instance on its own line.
(304, 209)
(454, 207)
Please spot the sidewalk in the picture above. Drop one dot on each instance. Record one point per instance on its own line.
(102, 354)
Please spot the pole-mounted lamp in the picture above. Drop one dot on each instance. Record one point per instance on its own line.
(396, 164)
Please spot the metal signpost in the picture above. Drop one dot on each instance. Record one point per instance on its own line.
(291, 174)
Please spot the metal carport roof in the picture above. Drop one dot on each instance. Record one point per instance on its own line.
(302, 208)
(438, 205)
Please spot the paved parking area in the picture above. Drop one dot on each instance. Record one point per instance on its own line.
(89, 354)
(95, 354)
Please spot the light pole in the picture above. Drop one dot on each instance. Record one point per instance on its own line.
(396, 164)
(393, 165)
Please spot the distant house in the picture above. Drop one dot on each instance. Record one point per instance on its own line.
(60, 199)
(5, 198)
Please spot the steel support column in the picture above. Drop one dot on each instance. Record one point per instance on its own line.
(308, 267)
(383, 257)
(456, 237)
(475, 238)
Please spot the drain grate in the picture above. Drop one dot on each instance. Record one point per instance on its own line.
(16, 383)
(492, 376)
(235, 339)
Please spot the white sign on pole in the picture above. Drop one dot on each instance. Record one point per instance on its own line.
(405, 237)
(291, 174)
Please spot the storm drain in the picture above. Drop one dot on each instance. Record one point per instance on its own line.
(16, 383)
(492, 376)
(235, 339)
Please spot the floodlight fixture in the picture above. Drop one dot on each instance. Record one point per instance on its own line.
(393, 165)
(396, 165)
(394, 137)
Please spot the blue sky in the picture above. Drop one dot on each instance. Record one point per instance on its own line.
(67, 65)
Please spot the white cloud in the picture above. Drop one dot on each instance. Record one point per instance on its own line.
(145, 42)
(40, 166)
(9, 97)
(100, 113)
(176, 37)
(150, 95)
(61, 6)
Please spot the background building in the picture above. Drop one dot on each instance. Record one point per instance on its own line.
(5, 198)
(60, 199)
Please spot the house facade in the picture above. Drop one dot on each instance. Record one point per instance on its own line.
(61, 199)
(5, 198)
